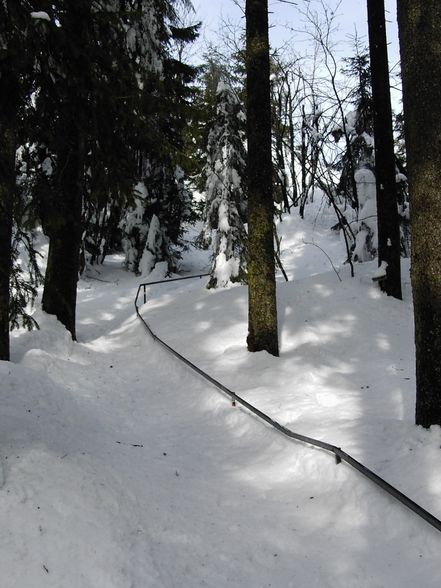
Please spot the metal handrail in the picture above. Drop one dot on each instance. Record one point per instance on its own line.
(340, 455)
(144, 286)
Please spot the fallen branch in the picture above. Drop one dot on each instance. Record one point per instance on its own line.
(323, 251)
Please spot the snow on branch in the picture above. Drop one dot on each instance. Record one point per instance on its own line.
(41, 15)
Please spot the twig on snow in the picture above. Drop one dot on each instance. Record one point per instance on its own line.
(323, 251)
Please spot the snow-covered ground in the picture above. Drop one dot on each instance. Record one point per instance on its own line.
(121, 468)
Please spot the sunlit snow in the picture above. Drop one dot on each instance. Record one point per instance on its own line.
(121, 468)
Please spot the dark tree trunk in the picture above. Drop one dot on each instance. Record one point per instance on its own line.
(64, 228)
(420, 44)
(292, 147)
(303, 194)
(387, 206)
(63, 223)
(7, 187)
(262, 314)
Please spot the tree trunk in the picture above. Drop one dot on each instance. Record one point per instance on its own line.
(303, 156)
(64, 229)
(420, 44)
(7, 187)
(262, 314)
(387, 206)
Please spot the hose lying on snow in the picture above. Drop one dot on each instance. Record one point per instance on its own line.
(340, 455)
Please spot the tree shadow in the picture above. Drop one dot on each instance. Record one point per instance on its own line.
(269, 511)
(353, 383)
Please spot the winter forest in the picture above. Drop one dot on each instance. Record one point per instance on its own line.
(220, 296)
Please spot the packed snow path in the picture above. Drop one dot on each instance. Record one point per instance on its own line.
(121, 469)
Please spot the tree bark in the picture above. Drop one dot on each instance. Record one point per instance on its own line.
(420, 44)
(64, 228)
(63, 222)
(262, 314)
(387, 206)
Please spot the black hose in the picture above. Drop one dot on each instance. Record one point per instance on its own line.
(340, 455)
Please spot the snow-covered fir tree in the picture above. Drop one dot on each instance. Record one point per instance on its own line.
(225, 211)
(148, 108)
(152, 226)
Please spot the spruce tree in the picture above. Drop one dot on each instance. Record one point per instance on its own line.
(419, 24)
(385, 175)
(20, 33)
(202, 117)
(131, 37)
(225, 210)
(152, 221)
(65, 106)
(109, 62)
(152, 225)
(262, 313)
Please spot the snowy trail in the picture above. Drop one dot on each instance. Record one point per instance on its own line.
(122, 469)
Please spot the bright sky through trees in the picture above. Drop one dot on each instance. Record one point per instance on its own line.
(286, 16)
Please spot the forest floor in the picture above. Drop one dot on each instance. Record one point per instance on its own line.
(121, 468)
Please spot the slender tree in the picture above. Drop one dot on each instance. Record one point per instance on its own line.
(387, 205)
(420, 44)
(7, 184)
(262, 313)
(70, 98)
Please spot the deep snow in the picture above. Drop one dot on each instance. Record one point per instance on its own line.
(122, 469)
